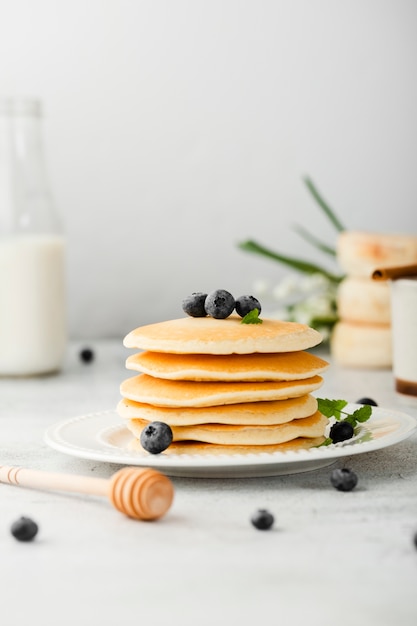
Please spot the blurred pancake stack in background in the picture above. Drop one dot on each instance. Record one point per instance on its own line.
(362, 337)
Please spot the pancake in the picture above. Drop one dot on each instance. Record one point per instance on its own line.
(255, 413)
(362, 345)
(230, 367)
(360, 253)
(185, 393)
(364, 300)
(206, 335)
(198, 448)
(227, 434)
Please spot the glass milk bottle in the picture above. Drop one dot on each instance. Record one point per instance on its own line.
(33, 332)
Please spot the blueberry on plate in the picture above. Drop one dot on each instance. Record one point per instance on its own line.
(262, 519)
(193, 305)
(24, 529)
(219, 304)
(366, 401)
(246, 304)
(343, 479)
(156, 437)
(86, 355)
(340, 431)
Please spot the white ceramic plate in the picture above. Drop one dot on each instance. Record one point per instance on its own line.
(104, 437)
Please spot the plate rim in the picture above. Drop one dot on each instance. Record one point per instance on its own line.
(253, 464)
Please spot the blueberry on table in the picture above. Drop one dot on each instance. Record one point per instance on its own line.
(343, 479)
(156, 437)
(246, 304)
(262, 519)
(86, 355)
(219, 304)
(24, 529)
(368, 401)
(340, 431)
(194, 305)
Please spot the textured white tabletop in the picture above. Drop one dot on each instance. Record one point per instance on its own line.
(331, 557)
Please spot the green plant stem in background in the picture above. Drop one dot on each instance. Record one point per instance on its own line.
(314, 241)
(323, 204)
(302, 266)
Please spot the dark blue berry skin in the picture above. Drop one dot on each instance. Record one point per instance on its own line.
(262, 519)
(156, 437)
(246, 304)
(340, 431)
(367, 401)
(343, 479)
(24, 529)
(194, 305)
(219, 304)
(86, 355)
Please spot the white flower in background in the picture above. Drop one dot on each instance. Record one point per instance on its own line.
(289, 286)
(314, 282)
(262, 287)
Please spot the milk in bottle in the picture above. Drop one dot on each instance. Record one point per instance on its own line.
(33, 331)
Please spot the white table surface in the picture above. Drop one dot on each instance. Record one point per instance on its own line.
(331, 557)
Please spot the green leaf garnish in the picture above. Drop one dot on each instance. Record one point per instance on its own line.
(331, 408)
(334, 408)
(252, 317)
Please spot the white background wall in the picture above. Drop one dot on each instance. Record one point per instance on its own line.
(175, 129)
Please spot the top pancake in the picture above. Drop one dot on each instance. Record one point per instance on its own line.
(206, 335)
(228, 367)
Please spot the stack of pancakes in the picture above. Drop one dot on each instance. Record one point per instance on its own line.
(224, 386)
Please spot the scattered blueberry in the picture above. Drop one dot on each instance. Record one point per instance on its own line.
(156, 437)
(343, 479)
(262, 519)
(24, 529)
(366, 401)
(246, 304)
(86, 355)
(340, 431)
(219, 304)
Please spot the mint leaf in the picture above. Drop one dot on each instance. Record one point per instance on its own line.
(252, 317)
(362, 414)
(327, 442)
(331, 408)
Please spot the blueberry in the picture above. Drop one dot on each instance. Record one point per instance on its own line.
(24, 529)
(86, 355)
(366, 401)
(219, 304)
(246, 304)
(194, 305)
(262, 519)
(156, 437)
(340, 431)
(415, 539)
(343, 479)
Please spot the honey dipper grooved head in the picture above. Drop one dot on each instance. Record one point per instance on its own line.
(143, 494)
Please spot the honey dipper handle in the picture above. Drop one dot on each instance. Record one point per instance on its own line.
(138, 493)
(39, 479)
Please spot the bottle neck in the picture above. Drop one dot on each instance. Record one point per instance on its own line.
(26, 205)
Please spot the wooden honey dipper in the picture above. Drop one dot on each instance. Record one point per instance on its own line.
(143, 494)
